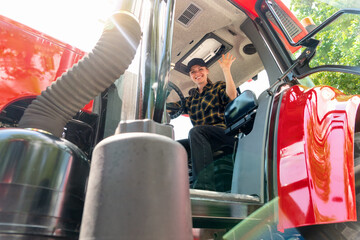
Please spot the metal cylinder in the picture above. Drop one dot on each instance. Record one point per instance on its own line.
(42, 186)
(138, 189)
(152, 61)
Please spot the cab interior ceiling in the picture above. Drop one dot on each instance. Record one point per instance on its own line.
(224, 20)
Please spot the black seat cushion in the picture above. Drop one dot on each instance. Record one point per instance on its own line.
(242, 105)
(240, 112)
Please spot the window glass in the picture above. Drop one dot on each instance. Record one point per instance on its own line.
(258, 84)
(317, 11)
(345, 82)
(182, 126)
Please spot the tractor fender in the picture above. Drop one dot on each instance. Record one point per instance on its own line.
(315, 157)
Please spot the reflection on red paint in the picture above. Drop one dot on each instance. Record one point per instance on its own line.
(315, 157)
(30, 61)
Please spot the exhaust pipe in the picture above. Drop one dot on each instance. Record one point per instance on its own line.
(109, 59)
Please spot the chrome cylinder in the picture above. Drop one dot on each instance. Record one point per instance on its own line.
(138, 189)
(42, 186)
(152, 61)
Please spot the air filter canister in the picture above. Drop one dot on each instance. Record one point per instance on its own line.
(42, 186)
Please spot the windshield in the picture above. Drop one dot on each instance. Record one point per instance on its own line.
(303, 9)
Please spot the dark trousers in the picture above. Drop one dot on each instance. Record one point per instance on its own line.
(203, 141)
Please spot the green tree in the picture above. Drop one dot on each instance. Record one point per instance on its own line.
(340, 43)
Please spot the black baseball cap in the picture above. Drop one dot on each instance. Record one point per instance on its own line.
(196, 61)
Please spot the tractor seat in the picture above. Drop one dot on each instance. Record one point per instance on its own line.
(240, 113)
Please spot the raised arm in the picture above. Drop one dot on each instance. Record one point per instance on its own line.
(225, 64)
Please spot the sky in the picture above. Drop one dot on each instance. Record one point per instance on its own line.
(76, 22)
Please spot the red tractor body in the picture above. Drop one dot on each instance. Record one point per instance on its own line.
(297, 146)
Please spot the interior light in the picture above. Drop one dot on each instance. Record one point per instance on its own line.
(205, 50)
(209, 48)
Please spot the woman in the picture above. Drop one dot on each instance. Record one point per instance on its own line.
(206, 107)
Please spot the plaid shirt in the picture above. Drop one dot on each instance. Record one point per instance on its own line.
(208, 107)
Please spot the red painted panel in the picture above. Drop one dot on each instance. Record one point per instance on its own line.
(248, 6)
(315, 157)
(296, 38)
(30, 61)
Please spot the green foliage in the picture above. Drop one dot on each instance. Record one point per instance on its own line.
(340, 43)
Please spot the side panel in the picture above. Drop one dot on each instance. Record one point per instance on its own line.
(30, 61)
(315, 157)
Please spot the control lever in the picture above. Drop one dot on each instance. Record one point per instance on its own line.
(305, 56)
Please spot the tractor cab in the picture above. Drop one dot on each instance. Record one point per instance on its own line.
(89, 151)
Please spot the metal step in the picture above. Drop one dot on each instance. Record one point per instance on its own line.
(217, 209)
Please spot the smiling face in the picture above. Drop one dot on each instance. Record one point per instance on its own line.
(199, 75)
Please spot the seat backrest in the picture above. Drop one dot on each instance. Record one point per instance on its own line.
(242, 105)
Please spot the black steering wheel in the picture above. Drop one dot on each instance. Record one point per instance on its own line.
(175, 111)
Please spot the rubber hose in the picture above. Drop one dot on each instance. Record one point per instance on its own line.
(108, 60)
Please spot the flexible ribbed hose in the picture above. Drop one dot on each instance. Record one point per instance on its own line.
(109, 59)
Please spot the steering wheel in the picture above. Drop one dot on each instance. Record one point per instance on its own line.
(175, 111)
